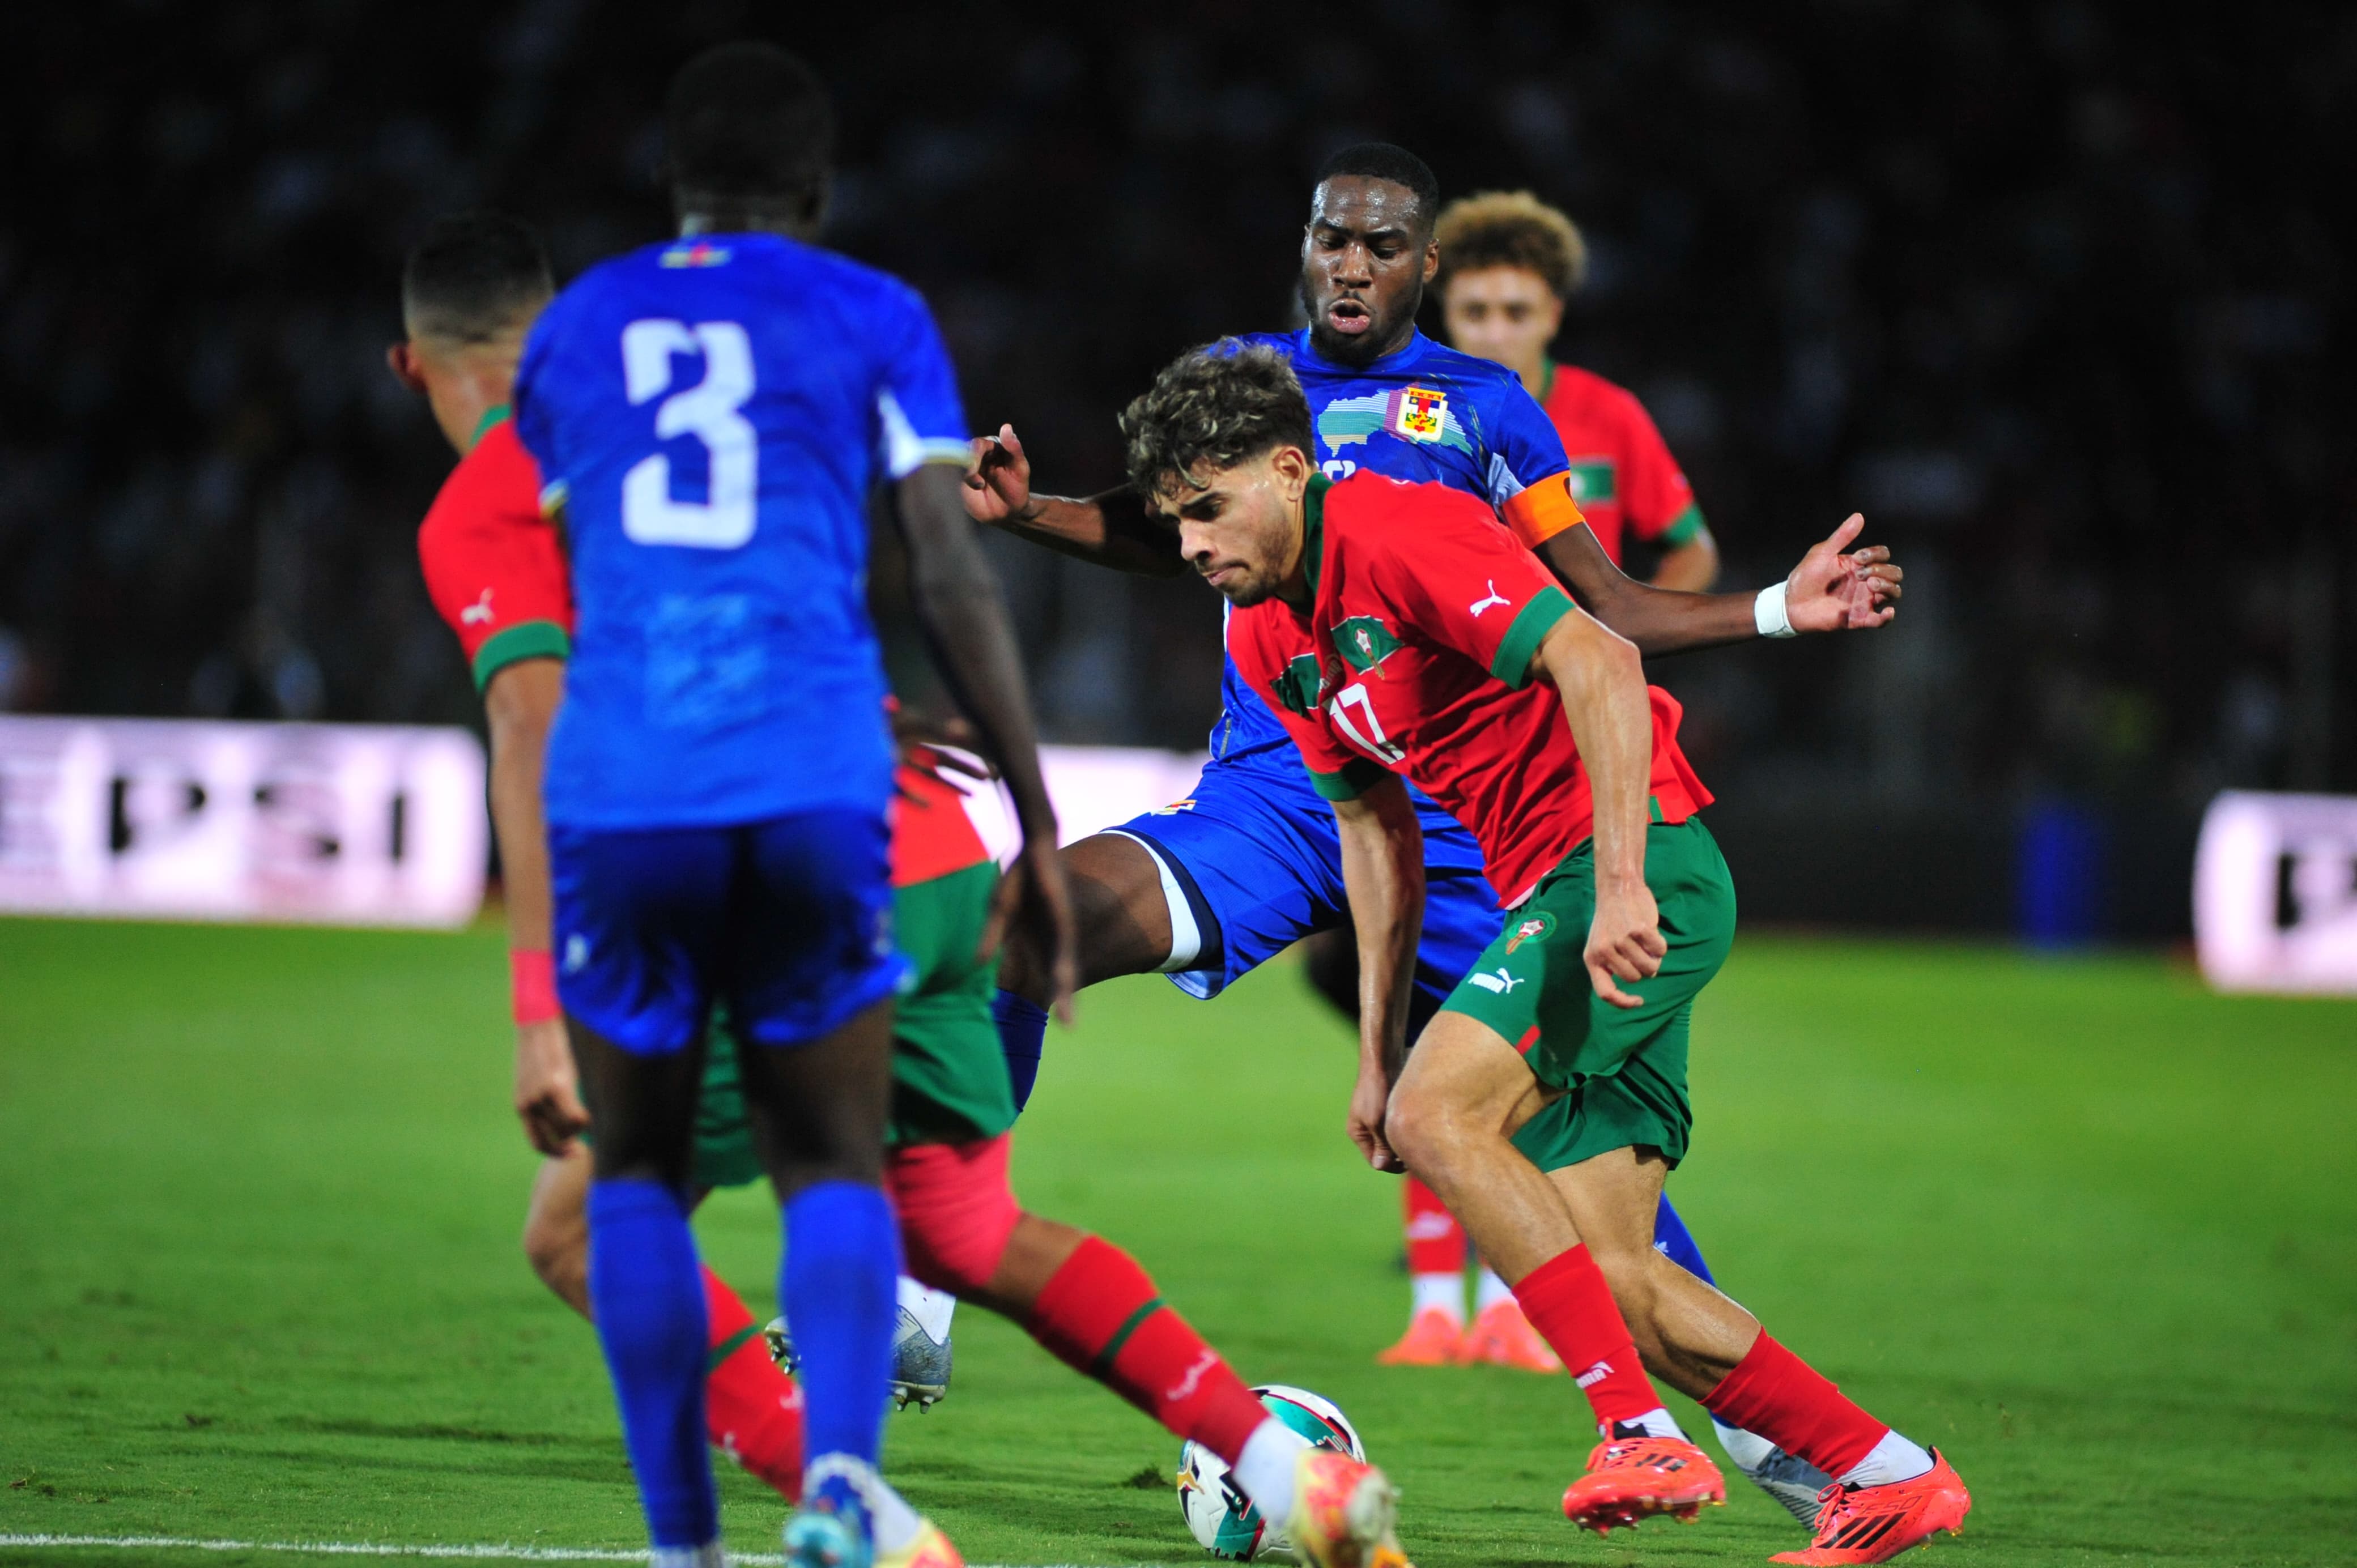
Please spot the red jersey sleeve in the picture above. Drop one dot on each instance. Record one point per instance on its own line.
(1657, 502)
(493, 566)
(1457, 576)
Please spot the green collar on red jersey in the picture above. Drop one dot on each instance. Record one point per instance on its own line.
(1313, 530)
(492, 416)
(1547, 381)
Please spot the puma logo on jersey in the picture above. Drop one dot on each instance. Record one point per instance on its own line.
(1496, 982)
(479, 611)
(1495, 598)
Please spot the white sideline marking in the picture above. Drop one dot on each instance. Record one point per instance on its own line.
(495, 1552)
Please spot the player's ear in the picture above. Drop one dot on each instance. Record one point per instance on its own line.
(1431, 260)
(1292, 466)
(402, 361)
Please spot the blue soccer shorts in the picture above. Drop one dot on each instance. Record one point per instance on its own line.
(1253, 862)
(788, 921)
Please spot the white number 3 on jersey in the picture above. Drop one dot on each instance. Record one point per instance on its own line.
(707, 411)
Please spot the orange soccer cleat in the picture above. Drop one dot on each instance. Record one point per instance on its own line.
(1875, 1524)
(1343, 1512)
(1636, 1476)
(1433, 1340)
(1503, 1337)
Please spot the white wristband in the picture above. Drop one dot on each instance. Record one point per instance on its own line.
(1768, 613)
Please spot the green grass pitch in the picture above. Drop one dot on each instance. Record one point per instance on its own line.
(2082, 1224)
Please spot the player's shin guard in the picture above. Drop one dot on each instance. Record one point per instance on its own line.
(1781, 1398)
(1435, 1242)
(842, 1256)
(1100, 1314)
(649, 1307)
(1568, 1302)
(1022, 1037)
(752, 1411)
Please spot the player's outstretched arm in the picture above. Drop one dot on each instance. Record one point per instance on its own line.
(1110, 530)
(1835, 588)
(1382, 872)
(965, 621)
(519, 704)
(1602, 679)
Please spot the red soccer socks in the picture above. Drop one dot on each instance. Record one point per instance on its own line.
(1100, 1314)
(752, 1411)
(1435, 1242)
(1568, 1302)
(1781, 1398)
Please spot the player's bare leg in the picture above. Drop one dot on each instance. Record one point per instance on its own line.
(1462, 1094)
(556, 1226)
(1123, 914)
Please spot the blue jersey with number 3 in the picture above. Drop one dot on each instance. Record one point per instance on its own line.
(712, 415)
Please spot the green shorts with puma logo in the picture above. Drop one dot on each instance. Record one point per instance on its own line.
(1621, 1071)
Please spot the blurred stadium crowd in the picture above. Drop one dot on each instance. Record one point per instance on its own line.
(2055, 293)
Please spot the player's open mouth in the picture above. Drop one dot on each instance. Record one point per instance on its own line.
(1349, 317)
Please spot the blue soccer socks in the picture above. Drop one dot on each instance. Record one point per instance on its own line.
(837, 1285)
(1022, 1035)
(646, 1292)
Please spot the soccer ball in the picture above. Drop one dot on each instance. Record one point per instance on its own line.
(1219, 1515)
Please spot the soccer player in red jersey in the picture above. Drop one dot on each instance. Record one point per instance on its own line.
(1508, 264)
(495, 570)
(487, 550)
(1398, 633)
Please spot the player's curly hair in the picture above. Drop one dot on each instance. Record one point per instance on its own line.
(1221, 403)
(1511, 228)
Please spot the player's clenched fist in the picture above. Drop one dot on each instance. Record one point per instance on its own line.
(998, 479)
(1624, 942)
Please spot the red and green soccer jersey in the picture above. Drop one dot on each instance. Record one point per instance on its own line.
(494, 566)
(1414, 660)
(495, 569)
(1622, 475)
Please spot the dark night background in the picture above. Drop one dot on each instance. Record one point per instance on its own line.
(2056, 295)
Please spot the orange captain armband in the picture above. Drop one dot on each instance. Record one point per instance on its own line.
(1538, 512)
(532, 985)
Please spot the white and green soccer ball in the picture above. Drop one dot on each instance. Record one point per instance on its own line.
(1221, 1518)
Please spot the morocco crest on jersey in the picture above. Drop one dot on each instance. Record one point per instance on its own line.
(1536, 928)
(1417, 413)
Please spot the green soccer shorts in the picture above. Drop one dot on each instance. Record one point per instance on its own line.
(1623, 1071)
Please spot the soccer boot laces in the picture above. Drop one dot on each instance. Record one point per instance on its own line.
(1343, 1513)
(1873, 1524)
(1632, 1476)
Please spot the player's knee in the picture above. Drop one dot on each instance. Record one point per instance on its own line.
(1421, 1128)
(1629, 1273)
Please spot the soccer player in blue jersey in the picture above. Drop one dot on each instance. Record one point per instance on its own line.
(712, 415)
(1209, 888)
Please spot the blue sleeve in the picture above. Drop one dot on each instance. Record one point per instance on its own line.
(918, 417)
(1524, 445)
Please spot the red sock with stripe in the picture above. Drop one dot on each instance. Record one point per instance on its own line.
(1781, 1398)
(1568, 1302)
(1435, 1242)
(752, 1411)
(1102, 1314)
